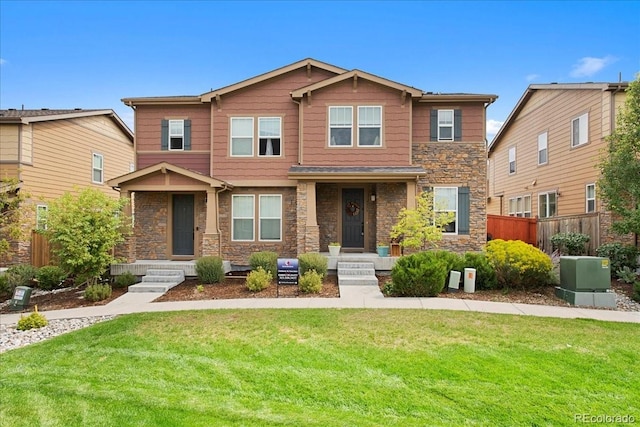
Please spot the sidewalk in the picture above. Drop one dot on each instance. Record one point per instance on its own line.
(350, 297)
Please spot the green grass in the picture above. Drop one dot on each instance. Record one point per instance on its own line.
(324, 368)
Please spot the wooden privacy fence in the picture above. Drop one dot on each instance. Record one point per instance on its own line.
(40, 255)
(588, 224)
(512, 228)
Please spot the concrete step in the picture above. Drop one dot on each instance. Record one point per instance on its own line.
(162, 279)
(351, 265)
(157, 280)
(357, 281)
(357, 272)
(163, 272)
(158, 287)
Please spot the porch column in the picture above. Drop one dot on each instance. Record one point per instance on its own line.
(126, 249)
(211, 235)
(411, 195)
(308, 234)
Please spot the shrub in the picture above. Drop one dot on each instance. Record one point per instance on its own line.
(627, 275)
(50, 277)
(619, 255)
(97, 292)
(452, 260)
(266, 259)
(21, 275)
(636, 291)
(570, 243)
(313, 261)
(310, 282)
(419, 275)
(33, 321)
(125, 280)
(518, 264)
(259, 279)
(209, 269)
(485, 274)
(5, 289)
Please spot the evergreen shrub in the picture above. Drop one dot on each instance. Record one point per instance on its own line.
(422, 274)
(310, 282)
(210, 269)
(259, 279)
(268, 260)
(518, 264)
(50, 277)
(313, 261)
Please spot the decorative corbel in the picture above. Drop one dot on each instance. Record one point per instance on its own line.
(403, 97)
(218, 101)
(355, 82)
(308, 70)
(308, 97)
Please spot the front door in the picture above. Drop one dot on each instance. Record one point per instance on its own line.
(183, 224)
(353, 218)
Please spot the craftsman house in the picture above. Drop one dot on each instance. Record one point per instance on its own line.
(299, 157)
(50, 152)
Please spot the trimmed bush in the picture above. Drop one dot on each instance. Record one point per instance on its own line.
(210, 269)
(33, 321)
(5, 289)
(21, 275)
(313, 261)
(572, 244)
(619, 255)
(485, 274)
(419, 275)
(266, 259)
(518, 264)
(310, 282)
(125, 280)
(97, 292)
(50, 277)
(259, 279)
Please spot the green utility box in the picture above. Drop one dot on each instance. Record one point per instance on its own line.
(585, 273)
(21, 297)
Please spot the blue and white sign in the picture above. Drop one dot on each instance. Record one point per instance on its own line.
(287, 271)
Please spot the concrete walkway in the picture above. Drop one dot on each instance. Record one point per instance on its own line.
(350, 297)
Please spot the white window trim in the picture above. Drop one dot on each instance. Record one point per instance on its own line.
(520, 213)
(279, 137)
(260, 218)
(583, 130)
(39, 219)
(436, 210)
(338, 127)
(512, 159)
(545, 142)
(252, 217)
(176, 135)
(452, 126)
(252, 136)
(587, 199)
(93, 168)
(547, 193)
(379, 126)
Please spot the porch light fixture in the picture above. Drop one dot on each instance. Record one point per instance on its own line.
(373, 197)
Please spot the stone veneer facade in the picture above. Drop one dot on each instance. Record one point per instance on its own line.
(150, 226)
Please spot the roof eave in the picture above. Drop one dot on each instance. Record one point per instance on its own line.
(162, 100)
(447, 98)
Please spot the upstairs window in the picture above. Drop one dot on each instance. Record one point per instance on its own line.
(176, 135)
(269, 134)
(512, 160)
(446, 125)
(370, 126)
(547, 205)
(580, 130)
(590, 198)
(542, 149)
(242, 136)
(340, 126)
(97, 169)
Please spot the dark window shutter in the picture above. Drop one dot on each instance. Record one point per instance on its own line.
(187, 134)
(457, 125)
(434, 125)
(464, 209)
(164, 138)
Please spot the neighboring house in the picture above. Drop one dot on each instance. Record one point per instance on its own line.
(301, 156)
(53, 151)
(544, 160)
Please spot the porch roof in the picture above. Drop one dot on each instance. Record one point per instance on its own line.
(356, 173)
(163, 167)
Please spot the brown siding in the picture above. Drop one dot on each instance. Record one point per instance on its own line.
(472, 121)
(396, 125)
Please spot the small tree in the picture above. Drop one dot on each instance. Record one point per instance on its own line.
(619, 184)
(11, 215)
(420, 227)
(83, 230)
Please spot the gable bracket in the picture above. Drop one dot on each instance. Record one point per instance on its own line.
(403, 97)
(219, 101)
(309, 97)
(308, 71)
(355, 82)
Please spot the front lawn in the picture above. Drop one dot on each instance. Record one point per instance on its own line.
(325, 368)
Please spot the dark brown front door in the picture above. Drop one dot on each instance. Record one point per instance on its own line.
(183, 224)
(353, 218)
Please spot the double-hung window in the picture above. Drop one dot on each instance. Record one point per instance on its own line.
(445, 125)
(512, 160)
(370, 126)
(520, 206)
(590, 198)
(543, 156)
(176, 134)
(445, 201)
(270, 217)
(242, 136)
(269, 135)
(340, 126)
(97, 171)
(580, 130)
(547, 205)
(242, 212)
(41, 217)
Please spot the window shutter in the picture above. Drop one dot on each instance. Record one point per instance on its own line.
(434, 125)
(164, 138)
(463, 210)
(187, 135)
(457, 125)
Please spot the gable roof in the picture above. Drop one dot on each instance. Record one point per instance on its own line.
(164, 167)
(528, 93)
(45, 114)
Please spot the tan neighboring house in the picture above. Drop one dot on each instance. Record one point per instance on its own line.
(298, 157)
(544, 160)
(53, 151)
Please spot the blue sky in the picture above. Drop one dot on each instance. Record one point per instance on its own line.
(90, 54)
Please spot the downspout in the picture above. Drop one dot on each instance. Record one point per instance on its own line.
(300, 127)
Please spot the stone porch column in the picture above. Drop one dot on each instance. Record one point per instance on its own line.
(211, 235)
(308, 238)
